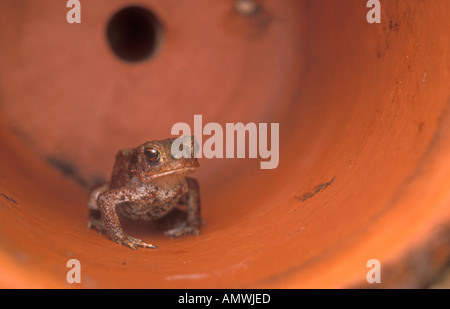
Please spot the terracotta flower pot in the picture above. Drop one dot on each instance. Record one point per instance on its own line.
(364, 115)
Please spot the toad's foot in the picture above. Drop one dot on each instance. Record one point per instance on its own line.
(183, 229)
(132, 242)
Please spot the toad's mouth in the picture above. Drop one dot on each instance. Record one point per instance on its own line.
(179, 171)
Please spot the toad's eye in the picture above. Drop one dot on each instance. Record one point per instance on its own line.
(152, 155)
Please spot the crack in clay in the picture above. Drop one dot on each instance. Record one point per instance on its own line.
(317, 189)
(9, 199)
(68, 170)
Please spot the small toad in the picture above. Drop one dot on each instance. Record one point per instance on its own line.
(147, 182)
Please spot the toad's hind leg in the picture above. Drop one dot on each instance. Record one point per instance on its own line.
(95, 220)
(192, 201)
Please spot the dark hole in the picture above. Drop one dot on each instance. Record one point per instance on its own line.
(134, 33)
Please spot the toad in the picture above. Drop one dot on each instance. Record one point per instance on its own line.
(147, 182)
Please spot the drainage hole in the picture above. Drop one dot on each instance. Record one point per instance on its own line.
(134, 34)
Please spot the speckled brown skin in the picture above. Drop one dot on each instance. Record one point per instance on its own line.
(146, 184)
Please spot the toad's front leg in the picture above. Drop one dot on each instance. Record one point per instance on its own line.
(192, 201)
(107, 202)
